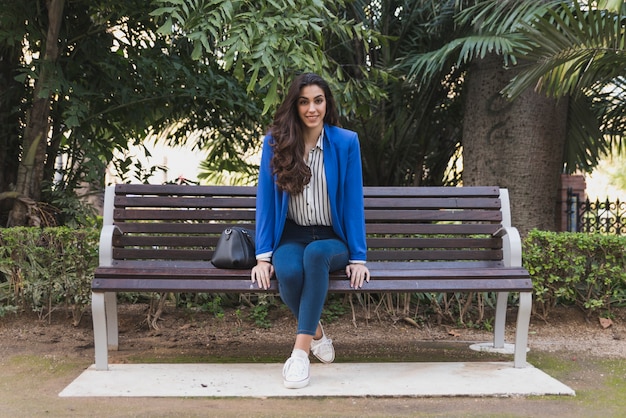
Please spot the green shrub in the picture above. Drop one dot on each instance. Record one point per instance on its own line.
(576, 269)
(46, 268)
(43, 269)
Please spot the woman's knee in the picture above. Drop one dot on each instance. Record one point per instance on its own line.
(287, 269)
(290, 281)
(326, 254)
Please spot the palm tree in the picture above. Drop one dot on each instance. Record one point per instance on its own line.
(581, 53)
(524, 143)
(409, 135)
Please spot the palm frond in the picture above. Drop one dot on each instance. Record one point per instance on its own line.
(504, 16)
(494, 27)
(572, 50)
(462, 51)
(586, 144)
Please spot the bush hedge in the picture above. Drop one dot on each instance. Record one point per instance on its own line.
(583, 270)
(44, 269)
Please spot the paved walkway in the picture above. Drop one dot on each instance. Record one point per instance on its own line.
(441, 379)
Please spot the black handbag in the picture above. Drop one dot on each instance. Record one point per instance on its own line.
(235, 249)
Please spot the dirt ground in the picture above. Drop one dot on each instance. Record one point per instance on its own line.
(38, 358)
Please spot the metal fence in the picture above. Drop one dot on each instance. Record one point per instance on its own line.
(601, 217)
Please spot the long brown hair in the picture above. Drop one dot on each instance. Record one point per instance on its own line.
(291, 171)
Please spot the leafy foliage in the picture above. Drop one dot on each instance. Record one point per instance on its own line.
(262, 42)
(47, 268)
(487, 27)
(198, 71)
(409, 135)
(117, 81)
(560, 48)
(580, 53)
(572, 49)
(43, 269)
(584, 270)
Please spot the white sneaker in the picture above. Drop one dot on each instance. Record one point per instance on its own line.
(296, 372)
(323, 348)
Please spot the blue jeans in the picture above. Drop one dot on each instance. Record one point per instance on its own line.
(302, 262)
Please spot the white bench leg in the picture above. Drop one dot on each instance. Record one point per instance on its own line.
(110, 304)
(521, 330)
(105, 330)
(520, 347)
(500, 320)
(99, 330)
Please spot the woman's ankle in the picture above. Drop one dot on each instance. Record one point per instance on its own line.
(303, 342)
(319, 333)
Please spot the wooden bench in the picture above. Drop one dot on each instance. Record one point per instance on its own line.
(160, 238)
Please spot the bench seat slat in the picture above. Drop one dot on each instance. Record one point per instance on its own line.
(122, 284)
(378, 272)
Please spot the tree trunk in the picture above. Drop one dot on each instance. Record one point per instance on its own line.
(30, 171)
(11, 92)
(517, 145)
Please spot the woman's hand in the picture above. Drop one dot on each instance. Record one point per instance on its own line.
(262, 273)
(358, 274)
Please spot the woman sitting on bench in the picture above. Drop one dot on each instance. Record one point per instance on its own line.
(309, 214)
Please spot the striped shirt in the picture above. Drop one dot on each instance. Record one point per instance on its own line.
(312, 206)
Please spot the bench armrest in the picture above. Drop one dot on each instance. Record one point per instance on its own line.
(106, 245)
(511, 246)
(108, 229)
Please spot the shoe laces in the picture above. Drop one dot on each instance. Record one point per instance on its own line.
(295, 367)
(323, 345)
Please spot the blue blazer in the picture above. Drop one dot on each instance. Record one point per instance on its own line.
(342, 162)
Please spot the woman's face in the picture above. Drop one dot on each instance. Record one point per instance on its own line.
(312, 106)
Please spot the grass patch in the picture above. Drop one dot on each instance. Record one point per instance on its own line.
(610, 378)
(599, 383)
(201, 359)
(423, 352)
(48, 364)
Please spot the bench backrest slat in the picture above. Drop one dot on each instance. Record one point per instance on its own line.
(190, 214)
(425, 243)
(183, 190)
(172, 222)
(161, 253)
(432, 192)
(423, 255)
(403, 215)
(184, 202)
(182, 227)
(432, 203)
(372, 227)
